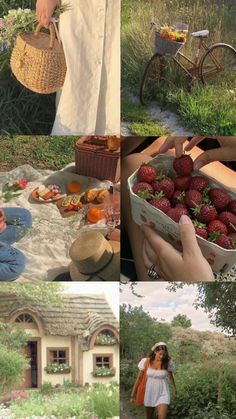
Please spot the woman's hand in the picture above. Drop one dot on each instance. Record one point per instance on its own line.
(227, 151)
(173, 142)
(45, 10)
(172, 265)
(132, 400)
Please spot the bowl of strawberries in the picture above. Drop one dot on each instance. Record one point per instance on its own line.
(167, 187)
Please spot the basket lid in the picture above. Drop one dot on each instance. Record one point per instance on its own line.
(95, 144)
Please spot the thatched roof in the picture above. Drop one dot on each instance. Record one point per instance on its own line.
(80, 315)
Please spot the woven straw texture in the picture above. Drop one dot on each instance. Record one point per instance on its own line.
(92, 159)
(164, 46)
(36, 64)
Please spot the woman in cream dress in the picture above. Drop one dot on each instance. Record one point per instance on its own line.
(158, 368)
(89, 102)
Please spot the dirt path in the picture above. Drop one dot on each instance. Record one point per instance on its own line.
(126, 409)
(168, 119)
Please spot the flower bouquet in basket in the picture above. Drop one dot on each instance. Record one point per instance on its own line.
(169, 40)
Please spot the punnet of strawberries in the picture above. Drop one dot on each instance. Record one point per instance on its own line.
(212, 209)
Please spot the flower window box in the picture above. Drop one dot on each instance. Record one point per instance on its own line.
(57, 368)
(103, 372)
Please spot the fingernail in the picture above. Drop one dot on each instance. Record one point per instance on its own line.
(197, 165)
(184, 219)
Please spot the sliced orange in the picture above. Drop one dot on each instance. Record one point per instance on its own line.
(94, 215)
(74, 187)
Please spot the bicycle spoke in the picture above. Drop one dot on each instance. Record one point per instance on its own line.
(218, 66)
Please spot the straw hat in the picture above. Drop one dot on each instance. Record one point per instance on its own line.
(158, 344)
(94, 258)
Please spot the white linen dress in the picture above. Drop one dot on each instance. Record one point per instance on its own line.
(157, 387)
(89, 102)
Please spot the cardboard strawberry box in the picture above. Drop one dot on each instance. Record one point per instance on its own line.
(220, 259)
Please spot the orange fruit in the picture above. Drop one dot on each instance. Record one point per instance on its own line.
(74, 187)
(94, 215)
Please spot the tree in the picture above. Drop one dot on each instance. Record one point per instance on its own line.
(181, 320)
(12, 359)
(47, 293)
(139, 332)
(218, 299)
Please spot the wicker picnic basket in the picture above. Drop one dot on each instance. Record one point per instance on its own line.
(165, 46)
(38, 61)
(94, 158)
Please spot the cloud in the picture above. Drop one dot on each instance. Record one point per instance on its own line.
(163, 304)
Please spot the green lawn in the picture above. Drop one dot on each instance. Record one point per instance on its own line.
(41, 152)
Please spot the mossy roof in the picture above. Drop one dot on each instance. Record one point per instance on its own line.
(78, 314)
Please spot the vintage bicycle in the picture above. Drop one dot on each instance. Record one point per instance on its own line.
(213, 64)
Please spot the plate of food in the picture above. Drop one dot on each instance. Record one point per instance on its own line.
(46, 194)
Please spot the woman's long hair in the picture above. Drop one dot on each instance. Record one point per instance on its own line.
(165, 361)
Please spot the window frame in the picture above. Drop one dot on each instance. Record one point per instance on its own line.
(58, 349)
(110, 356)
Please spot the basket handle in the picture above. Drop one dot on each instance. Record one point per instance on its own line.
(51, 31)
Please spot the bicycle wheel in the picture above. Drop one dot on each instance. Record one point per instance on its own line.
(218, 66)
(150, 83)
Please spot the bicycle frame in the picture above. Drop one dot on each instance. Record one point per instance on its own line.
(193, 71)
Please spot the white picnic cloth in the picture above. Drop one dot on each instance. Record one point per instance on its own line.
(89, 102)
(46, 246)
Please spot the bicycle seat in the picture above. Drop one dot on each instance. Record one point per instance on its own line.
(201, 34)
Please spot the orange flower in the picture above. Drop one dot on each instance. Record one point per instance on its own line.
(94, 215)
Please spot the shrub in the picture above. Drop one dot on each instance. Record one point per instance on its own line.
(12, 365)
(46, 387)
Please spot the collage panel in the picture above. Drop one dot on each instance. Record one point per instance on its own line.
(177, 350)
(60, 208)
(178, 208)
(117, 209)
(59, 350)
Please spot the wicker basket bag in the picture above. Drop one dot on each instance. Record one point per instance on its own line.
(38, 61)
(164, 46)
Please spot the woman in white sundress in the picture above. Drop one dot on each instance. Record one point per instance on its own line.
(159, 371)
(89, 102)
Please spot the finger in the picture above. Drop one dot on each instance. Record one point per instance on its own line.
(178, 148)
(46, 21)
(146, 259)
(208, 157)
(188, 236)
(169, 143)
(193, 142)
(158, 245)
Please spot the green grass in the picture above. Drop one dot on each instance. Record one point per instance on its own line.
(102, 400)
(206, 110)
(40, 152)
(139, 122)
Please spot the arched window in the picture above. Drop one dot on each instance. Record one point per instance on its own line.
(24, 318)
(106, 337)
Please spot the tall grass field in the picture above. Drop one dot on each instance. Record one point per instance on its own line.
(206, 110)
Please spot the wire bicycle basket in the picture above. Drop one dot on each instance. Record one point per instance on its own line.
(169, 40)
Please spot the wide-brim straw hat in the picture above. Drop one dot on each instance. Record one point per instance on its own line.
(94, 258)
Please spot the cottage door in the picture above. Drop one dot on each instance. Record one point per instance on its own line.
(30, 376)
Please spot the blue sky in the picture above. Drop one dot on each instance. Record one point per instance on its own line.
(163, 304)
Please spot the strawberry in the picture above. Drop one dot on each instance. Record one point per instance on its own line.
(166, 185)
(217, 226)
(146, 173)
(224, 241)
(200, 229)
(183, 165)
(179, 205)
(160, 202)
(219, 198)
(199, 183)
(182, 183)
(143, 190)
(192, 198)
(176, 213)
(177, 198)
(205, 213)
(232, 206)
(229, 220)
